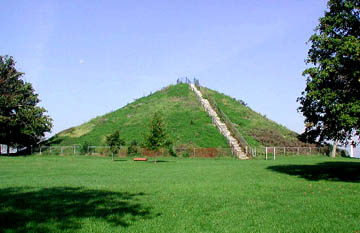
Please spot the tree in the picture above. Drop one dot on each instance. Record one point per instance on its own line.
(22, 122)
(331, 99)
(157, 137)
(115, 142)
(132, 149)
(85, 148)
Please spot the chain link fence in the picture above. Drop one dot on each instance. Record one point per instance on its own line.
(182, 152)
(273, 152)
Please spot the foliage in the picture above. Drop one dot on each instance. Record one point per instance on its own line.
(331, 99)
(84, 147)
(185, 154)
(132, 149)
(22, 122)
(185, 195)
(157, 137)
(172, 152)
(114, 141)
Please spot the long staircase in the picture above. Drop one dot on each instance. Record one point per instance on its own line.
(237, 151)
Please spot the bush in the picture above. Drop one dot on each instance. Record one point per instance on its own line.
(185, 155)
(172, 152)
(84, 148)
(132, 149)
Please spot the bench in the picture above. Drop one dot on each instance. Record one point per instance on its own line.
(140, 159)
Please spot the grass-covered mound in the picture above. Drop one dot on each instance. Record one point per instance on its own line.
(186, 121)
(94, 194)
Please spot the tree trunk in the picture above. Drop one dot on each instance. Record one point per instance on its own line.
(333, 153)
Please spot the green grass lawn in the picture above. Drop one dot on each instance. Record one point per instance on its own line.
(94, 194)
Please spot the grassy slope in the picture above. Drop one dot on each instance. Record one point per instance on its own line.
(187, 122)
(257, 129)
(89, 194)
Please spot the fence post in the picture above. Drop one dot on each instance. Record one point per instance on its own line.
(284, 151)
(298, 150)
(310, 150)
(266, 153)
(74, 149)
(255, 151)
(274, 152)
(40, 150)
(62, 150)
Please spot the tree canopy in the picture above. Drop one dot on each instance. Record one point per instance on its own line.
(22, 122)
(115, 142)
(157, 137)
(331, 99)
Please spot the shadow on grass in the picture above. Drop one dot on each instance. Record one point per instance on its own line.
(62, 208)
(332, 171)
(120, 160)
(159, 161)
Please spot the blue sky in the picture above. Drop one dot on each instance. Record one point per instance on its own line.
(86, 58)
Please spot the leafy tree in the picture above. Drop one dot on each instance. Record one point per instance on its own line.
(84, 147)
(115, 142)
(331, 100)
(22, 123)
(157, 137)
(132, 149)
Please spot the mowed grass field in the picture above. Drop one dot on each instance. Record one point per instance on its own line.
(94, 194)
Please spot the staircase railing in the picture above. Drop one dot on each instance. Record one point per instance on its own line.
(233, 130)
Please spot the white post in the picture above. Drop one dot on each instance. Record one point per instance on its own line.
(40, 150)
(352, 150)
(265, 153)
(310, 150)
(74, 149)
(274, 152)
(298, 150)
(284, 151)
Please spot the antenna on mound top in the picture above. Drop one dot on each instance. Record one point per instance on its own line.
(187, 81)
